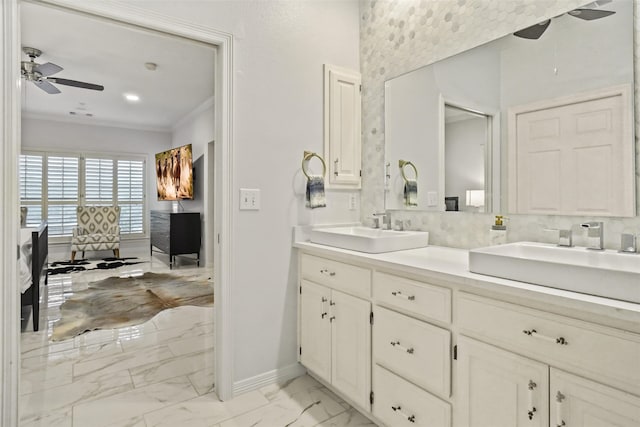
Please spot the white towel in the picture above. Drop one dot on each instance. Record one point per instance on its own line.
(411, 192)
(315, 192)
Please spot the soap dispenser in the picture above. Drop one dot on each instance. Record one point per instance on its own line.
(498, 231)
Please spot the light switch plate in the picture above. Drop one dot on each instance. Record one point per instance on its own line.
(249, 199)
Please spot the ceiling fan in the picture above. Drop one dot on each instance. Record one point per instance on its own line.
(587, 13)
(39, 74)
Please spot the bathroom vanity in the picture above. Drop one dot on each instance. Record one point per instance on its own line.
(412, 338)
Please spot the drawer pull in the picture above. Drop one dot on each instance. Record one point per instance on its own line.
(532, 410)
(398, 409)
(535, 334)
(559, 398)
(397, 344)
(401, 295)
(327, 272)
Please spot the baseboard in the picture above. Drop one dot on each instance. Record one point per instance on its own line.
(271, 377)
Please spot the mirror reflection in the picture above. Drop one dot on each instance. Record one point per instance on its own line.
(540, 121)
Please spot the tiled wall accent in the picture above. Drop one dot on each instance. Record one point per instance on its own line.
(398, 36)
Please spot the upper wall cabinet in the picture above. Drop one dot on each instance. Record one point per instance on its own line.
(342, 140)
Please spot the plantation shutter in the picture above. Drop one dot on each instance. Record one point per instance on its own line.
(131, 195)
(62, 194)
(98, 181)
(30, 174)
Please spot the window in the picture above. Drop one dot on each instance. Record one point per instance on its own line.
(67, 181)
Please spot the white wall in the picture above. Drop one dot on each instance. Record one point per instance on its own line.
(49, 135)
(198, 129)
(279, 49)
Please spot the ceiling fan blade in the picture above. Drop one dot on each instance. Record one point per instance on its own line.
(590, 14)
(75, 83)
(46, 86)
(533, 32)
(47, 69)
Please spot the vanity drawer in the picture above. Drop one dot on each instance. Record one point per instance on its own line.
(609, 355)
(344, 277)
(413, 406)
(420, 298)
(413, 349)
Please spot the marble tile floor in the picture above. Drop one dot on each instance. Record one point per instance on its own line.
(159, 373)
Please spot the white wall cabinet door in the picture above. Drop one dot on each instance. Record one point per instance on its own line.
(315, 329)
(497, 388)
(342, 139)
(578, 402)
(351, 347)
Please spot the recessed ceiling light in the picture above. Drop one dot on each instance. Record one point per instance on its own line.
(132, 97)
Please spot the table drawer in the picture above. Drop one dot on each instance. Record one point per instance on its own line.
(420, 298)
(609, 355)
(399, 403)
(413, 349)
(344, 277)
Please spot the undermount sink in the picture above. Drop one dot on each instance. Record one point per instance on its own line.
(369, 240)
(605, 273)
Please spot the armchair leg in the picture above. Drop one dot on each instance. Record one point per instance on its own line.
(73, 255)
(82, 254)
(116, 252)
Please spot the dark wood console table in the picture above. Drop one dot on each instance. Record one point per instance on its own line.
(176, 234)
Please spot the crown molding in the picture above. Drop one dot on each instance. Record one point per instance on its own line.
(93, 122)
(208, 103)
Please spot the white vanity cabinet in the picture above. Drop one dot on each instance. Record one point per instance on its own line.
(335, 328)
(443, 349)
(500, 386)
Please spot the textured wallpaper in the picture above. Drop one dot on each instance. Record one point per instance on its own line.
(398, 36)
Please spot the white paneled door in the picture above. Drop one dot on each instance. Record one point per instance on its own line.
(573, 158)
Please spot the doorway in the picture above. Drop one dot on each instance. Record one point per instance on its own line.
(222, 204)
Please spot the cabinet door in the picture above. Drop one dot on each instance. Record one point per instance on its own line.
(315, 329)
(342, 127)
(351, 347)
(578, 402)
(498, 388)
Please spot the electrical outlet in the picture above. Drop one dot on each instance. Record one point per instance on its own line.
(249, 199)
(432, 198)
(353, 202)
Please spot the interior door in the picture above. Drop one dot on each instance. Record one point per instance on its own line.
(315, 329)
(351, 347)
(574, 159)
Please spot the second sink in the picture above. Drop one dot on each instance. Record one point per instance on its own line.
(603, 273)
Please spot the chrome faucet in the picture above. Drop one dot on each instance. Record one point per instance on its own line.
(595, 235)
(382, 220)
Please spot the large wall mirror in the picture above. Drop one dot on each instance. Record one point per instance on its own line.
(537, 122)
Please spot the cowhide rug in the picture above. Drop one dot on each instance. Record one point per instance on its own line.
(116, 302)
(66, 267)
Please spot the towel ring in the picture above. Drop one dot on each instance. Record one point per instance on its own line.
(307, 156)
(402, 164)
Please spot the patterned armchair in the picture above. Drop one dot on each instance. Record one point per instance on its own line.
(98, 229)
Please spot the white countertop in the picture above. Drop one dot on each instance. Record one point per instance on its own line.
(453, 265)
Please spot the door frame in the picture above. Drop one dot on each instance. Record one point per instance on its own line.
(10, 116)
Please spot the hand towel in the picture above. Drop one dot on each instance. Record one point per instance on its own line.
(315, 192)
(411, 192)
